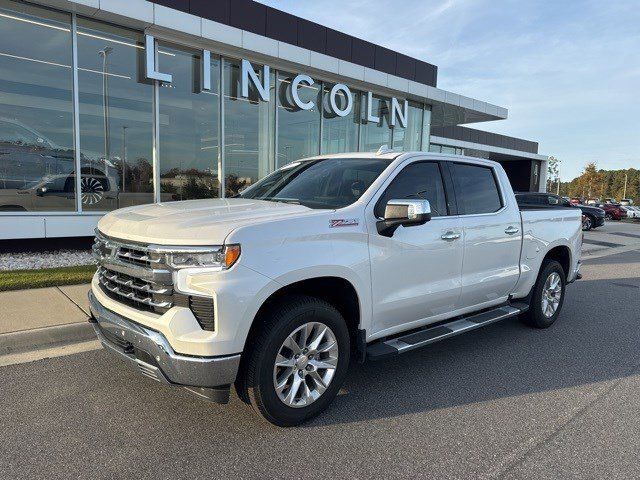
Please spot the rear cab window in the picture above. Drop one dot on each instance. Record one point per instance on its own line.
(476, 189)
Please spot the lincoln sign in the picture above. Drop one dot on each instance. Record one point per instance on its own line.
(398, 110)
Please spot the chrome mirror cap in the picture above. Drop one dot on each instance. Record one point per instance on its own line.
(403, 212)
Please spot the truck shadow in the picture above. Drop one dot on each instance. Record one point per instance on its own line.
(595, 339)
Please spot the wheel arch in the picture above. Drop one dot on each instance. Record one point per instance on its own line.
(562, 255)
(336, 290)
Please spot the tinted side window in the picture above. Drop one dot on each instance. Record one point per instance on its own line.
(421, 180)
(476, 189)
(524, 199)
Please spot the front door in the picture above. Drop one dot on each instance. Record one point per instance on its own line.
(416, 273)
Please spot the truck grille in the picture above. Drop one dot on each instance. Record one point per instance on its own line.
(136, 292)
(137, 277)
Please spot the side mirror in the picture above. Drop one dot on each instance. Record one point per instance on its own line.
(40, 191)
(407, 213)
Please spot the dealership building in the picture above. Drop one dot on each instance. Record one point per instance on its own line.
(111, 103)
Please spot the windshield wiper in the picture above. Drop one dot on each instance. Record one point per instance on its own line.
(292, 201)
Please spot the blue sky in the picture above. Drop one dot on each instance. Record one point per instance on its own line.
(568, 71)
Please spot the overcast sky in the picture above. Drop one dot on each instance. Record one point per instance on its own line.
(568, 71)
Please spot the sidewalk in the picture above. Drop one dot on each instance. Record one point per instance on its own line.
(44, 316)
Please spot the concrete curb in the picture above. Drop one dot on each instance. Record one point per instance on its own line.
(36, 338)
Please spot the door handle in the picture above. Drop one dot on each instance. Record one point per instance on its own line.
(511, 230)
(450, 235)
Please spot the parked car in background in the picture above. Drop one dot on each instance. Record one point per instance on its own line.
(626, 201)
(594, 216)
(613, 211)
(632, 211)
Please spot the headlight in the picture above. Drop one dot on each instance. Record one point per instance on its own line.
(221, 257)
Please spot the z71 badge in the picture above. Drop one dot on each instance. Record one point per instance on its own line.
(343, 222)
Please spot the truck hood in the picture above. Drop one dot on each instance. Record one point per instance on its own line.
(192, 222)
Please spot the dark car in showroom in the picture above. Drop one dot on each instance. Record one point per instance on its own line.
(593, 216)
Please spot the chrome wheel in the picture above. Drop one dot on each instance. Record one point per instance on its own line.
(551, 294)
(305, 364)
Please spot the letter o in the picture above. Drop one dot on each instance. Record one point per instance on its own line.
(332, 99)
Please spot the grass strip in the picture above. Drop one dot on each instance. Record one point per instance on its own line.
(45, 277)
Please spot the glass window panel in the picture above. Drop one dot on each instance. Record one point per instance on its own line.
(426, 129)
(435, 148)
(116, 113)
(446, 149)
(476, 189)
(298, 130)
(248, 131)
(374, 135)
(408, 139)
(188, 127)
(37, 166)
(340, 134)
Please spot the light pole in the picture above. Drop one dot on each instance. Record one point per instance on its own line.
(624, 194)
(124, 157)
(105, 101)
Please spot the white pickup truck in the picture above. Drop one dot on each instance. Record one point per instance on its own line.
(325, 261)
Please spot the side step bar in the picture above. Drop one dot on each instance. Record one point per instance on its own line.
(433, 334)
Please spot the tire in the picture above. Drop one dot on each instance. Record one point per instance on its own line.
(588, 223)
(608, 216)
(259, 374)
(536, 316)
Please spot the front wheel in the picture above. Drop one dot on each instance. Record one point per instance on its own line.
(297, 362)
(548, 296)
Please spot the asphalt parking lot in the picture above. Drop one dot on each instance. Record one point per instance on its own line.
(503, 402)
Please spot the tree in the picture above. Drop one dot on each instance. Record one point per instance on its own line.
(553, 173)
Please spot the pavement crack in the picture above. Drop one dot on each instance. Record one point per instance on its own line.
(72, 301)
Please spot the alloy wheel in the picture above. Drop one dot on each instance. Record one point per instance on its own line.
(305, 364)
(551, 294)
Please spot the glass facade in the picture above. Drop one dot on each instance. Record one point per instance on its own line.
(249, 130)
(37, 157)
(434, 147)
(409, 137)
(116, 118)
(298, 129)
(340, 134)
(188, 126)
(375, 134)
(85, 117)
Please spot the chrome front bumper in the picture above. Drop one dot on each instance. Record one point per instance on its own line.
(150, 352)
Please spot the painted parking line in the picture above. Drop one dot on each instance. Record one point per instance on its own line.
(625, 234)
(602, 244)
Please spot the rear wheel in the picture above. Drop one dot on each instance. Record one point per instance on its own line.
(297, 362)
(548, 296)
(608, 216)
(587, 223)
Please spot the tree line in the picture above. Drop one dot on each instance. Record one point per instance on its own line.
(598, 183)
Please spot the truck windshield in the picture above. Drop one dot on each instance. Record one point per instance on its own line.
(327, 183)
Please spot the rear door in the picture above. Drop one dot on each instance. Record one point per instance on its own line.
(416, 272)
(491, 226)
